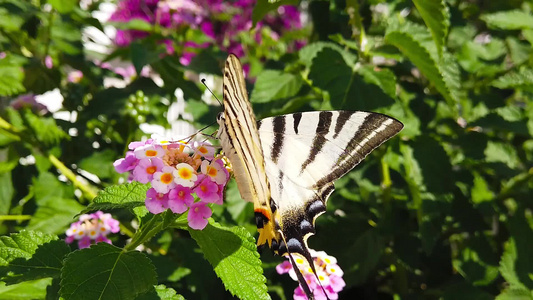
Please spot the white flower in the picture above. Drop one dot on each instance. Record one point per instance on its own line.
(184, 175)
(163, 181)
(214, 171)
(149, 151)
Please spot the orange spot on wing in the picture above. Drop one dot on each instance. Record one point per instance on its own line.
(264, 212)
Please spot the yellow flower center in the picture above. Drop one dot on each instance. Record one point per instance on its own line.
(211, 171)
(181, 193)
(151, 153)
(166, 178)
(151, 169)
(185, 173)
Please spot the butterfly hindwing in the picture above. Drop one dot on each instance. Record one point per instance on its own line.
(305, 152)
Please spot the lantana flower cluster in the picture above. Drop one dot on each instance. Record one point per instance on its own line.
(92, 227)
(220, 20)
(177, 170)
(328, 272)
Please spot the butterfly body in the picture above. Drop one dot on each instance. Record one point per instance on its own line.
(286, 165)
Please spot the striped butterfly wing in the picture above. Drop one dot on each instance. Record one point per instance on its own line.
(304, 153)
(239, 138)
(286, 165)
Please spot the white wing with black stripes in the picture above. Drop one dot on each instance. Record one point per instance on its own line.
(305, 153)
(286, 165)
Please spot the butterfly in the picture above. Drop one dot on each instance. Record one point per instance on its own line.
(286, 165)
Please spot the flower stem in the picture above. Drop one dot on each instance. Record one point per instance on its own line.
(87, 190)
(14, 217)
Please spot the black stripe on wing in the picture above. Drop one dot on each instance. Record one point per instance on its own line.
(322, 129)
(279, 130)
(374, 131)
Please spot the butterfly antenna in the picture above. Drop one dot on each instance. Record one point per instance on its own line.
(203, 81)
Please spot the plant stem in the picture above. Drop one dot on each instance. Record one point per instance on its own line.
(87, 190)
(14, 217)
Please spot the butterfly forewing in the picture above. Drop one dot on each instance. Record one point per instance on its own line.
(241, 144)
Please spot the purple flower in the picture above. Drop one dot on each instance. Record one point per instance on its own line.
(145, 169)
(48, 62)
(92, 227)
(327, 271)
(180, 199)
(206, 189)
(127, 163)
(198, 215)
(28, 101)
(156, 202)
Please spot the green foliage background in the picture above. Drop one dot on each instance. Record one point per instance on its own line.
(443, 211)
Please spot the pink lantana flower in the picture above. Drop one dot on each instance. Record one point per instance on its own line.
(198, 215)
(163, 180)
(146, 168)
(127, 163)
(180, 199)
(204, 149)
(156, 202)
(174, 168)
(328, 272)
(92, 227)
(214, 171)
(149, 151)
(206, 190)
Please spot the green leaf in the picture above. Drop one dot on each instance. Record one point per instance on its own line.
(171, 71)
(330, 73)
(412, 40)
(465, 291)
(143, 54)
(55, 215)
(22, 245)
(516, 265)
(263, 7)
(480, 190)
(430, 156)
(161, 292)
(25, 290)
(502, 152)
(515, 294)
(63, 6)
(45, 129)
(233, 254)
(509, 20)
(367, 250)
(372, 91)
(47, 261)
(521, 79)
(508, 266)
(436, 16)
(308, 53)
(11, 75)
(275, 85)
(100, 163)
(477, 262)
(383, 78)
(47, 187)
(9, 21)
(6, 192)
(104, 271)
(133, 24)
(125, 196)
